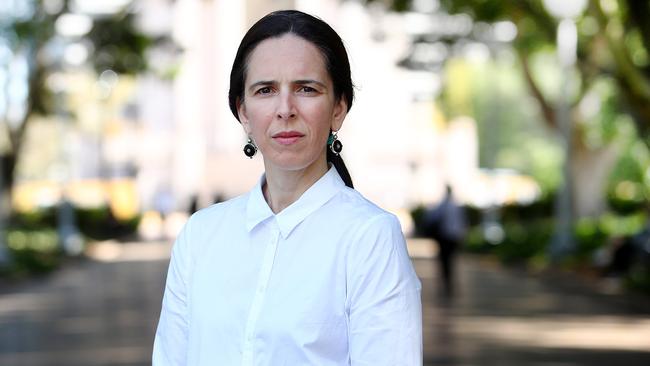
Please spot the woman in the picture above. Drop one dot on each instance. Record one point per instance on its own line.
(302, 270)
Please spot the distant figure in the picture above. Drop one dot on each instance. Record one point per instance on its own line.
(194, 204)
(622, 256)
(629, 251)
(446, 224)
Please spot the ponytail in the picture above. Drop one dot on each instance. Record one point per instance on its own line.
(338, 163)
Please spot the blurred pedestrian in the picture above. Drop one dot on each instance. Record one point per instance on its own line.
(447, 225)
(302, 270)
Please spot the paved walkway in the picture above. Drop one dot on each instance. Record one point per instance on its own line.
(103, 312)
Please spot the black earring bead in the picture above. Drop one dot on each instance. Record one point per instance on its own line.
(250, 149)
(336, 146)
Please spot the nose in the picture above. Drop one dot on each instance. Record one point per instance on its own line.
(286, 107)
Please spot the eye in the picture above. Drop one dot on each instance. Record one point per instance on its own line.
(264, 90)
(307, 89)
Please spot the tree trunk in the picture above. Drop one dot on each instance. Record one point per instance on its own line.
(590, 170)
(7, 167)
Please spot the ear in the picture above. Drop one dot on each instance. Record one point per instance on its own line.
(243, 118)
(339, 113)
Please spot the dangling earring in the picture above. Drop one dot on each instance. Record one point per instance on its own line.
(334, 144)
(250, 149)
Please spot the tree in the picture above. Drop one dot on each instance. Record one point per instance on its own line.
(613, 42)
(32, 30)
(613, 67)
(115, 43)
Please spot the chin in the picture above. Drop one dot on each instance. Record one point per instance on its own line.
(290, 162)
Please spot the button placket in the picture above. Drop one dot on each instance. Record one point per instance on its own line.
(258, 299)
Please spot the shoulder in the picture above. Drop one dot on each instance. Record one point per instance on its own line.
(355, 216)
(354, 206)
(375, 244)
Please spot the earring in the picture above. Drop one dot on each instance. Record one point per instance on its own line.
(334, 144)
(250, 149)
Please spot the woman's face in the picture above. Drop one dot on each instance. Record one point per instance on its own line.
(289, 103)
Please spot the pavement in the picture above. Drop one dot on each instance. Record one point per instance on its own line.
(103, 311)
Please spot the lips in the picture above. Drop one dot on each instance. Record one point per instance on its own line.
(287, 137)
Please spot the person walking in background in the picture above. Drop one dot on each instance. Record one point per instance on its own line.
(447, 225)
(302, 270)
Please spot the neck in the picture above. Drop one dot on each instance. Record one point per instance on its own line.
(284, 187)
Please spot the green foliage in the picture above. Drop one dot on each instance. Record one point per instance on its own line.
(485, 10)
(613, 43)
(639, 279)
(43, 218)
(113, 40)
(613, 46)
(602, 119)
(510, 132)
(417, 214)
(537, 210)
(475, 241)
(33, 251)
(529, 229)
(524, 241)
(33, 241)
(590, 235)
(615, 225)
(99, 223)
(396, 5)
(118, 45)
(628, 189)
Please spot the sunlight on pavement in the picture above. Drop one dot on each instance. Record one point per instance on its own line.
(113, 251)
(27, 302)
(126, 355)
(421, 248)
(579, 332)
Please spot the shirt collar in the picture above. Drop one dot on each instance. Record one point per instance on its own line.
(257, 210)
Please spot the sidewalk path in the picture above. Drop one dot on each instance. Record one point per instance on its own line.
(104, 311)
(96, 312)
(508, 318)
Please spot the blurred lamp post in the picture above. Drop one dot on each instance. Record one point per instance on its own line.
(567, 42)
(71, 27)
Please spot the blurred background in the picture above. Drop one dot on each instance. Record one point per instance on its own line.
(532, 117)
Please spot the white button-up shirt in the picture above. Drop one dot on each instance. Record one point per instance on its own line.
(327, 281)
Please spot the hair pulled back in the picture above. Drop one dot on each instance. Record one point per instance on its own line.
(311, 29)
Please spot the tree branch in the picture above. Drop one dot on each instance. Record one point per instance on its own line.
(547, 111)
(630, 74)
(545, 22)
(35, 103)
(639, 12)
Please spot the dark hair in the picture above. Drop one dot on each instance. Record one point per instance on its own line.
(311, 29)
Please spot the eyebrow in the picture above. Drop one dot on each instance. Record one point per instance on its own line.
(310, 81)
(299, 82)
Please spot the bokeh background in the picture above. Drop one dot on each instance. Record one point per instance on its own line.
(115, 128)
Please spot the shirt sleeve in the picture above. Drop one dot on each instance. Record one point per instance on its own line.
(171, 340)
(384, 304)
